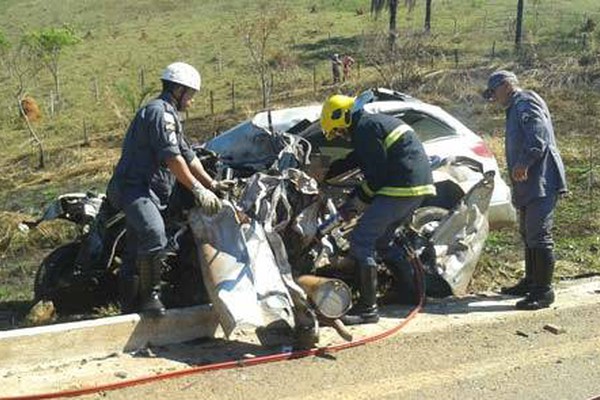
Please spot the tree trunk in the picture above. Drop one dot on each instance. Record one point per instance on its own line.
(519, 30)
(57, 86)
(263, 84)
(428, 16)
(55, 70)
(393, 17)
(35, 137)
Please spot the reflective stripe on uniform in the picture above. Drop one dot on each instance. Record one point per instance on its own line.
(365, 187)
(407, 192)
(400, 191)
(395, 135)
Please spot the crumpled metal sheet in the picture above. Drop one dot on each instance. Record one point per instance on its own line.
(240, 271)
(80, 208)
(258, 149)
(460, 237)
(249, 146)
(266, 196)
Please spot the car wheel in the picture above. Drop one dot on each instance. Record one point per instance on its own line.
(57, 267)
(58, 280)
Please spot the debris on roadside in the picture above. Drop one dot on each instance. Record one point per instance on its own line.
(557, 330)
(144, 352)
(121, 374)
(43, 312)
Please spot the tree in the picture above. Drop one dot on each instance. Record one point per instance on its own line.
(22, 64)
(377, 7)
(50, 44)
(257, 30)
(428, 16)
(392, 6)
(399, 69)
(519, 30)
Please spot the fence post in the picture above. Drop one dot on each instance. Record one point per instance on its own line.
(212, 103)
(96, 90)
(590, 181)
(52, 103)
(86, 141)
(455, 58)
(220, 62)
(271, 87)
(358, 69)
(485, 17)
(142, 79)
(314, 79)
(233, 96)
(494, 49)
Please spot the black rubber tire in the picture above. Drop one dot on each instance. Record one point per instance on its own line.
(55, 267)
(71, 291)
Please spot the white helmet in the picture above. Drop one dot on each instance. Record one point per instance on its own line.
(183, 74)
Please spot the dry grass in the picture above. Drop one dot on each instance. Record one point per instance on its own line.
(16, 241)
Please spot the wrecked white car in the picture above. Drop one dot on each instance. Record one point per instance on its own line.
(249, 260)
(442, 135)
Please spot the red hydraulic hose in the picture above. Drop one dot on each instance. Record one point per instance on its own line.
(289, 355)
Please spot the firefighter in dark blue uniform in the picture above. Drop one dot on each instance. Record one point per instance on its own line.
(537, 175)
(397, 178)
(154, 155)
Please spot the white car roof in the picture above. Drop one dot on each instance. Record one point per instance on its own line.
(284, 119)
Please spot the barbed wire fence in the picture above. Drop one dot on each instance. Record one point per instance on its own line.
(465, 48)
(316, 80)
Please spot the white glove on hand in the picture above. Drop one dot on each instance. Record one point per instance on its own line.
(207, 200)
(224, 186)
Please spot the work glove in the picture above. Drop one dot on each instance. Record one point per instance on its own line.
(222, 187)
(206, 199)
(352, 207)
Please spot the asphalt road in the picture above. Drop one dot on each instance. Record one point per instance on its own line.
(511, 355)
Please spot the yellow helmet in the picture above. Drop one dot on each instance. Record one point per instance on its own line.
(336, 114)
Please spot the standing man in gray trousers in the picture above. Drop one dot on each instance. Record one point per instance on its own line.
(537, 175)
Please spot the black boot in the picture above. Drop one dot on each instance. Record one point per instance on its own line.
(541, 294)
(523, 286)
(365, 311)
(150, 269)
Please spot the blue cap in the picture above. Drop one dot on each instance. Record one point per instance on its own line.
(496, 79)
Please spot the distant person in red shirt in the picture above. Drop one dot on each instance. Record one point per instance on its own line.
(347, 63)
